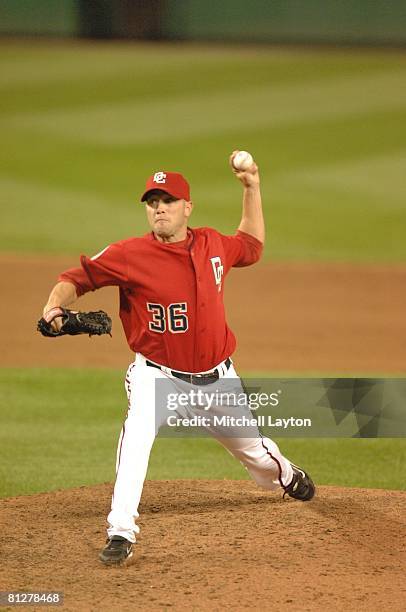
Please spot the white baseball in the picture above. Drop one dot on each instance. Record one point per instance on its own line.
(242, 160)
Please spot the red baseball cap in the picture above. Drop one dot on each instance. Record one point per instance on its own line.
(170, 182)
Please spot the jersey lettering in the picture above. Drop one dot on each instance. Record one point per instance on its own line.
(218, 270)
(174, 318)
(158, 323)
(178, 321)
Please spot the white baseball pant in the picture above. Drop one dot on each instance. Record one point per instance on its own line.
(259, 455)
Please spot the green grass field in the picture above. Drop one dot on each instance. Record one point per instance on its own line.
(60, 429)
(84, 124)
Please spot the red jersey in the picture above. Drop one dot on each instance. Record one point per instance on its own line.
(171, 294)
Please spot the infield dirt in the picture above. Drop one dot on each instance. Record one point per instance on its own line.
(288, 317)
(212, 545)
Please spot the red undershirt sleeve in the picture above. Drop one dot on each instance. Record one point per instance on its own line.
(242, 249)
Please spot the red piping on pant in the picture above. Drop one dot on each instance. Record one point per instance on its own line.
(277, 463)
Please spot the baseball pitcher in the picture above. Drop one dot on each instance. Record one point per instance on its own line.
(171, 285)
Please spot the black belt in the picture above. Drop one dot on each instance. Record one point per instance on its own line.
(194, 379)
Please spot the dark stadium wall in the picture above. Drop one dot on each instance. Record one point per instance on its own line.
(371, 22)
(317, 21)
(39, 17)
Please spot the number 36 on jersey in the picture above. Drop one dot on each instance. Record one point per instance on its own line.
(173, 318)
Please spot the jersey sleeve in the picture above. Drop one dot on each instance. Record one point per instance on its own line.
(109, 267)
(241, 249)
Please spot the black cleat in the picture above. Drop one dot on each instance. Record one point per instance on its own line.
(302, 486)
(118, 551)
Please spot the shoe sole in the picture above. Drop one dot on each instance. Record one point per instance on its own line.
(313, 492)
(121, 563)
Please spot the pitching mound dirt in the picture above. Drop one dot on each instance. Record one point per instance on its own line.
(212, 545)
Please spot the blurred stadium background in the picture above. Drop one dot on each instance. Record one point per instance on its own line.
(97, 95)
(315, 21)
